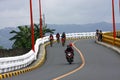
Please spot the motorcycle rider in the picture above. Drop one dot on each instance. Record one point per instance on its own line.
(63, 36)
(69, 49)
(51, 39)
(58, 37)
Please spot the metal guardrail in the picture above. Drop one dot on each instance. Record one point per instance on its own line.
(13, 63)
(111, 33)
(108, 38)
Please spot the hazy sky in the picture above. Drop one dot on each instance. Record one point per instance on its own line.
(16, 12)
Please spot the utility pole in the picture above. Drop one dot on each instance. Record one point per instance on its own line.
(40, 9)
(113, 19)
(32, 26)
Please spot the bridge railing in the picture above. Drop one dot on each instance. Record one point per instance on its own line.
(108, 38)
(13, 63)
(81, 35)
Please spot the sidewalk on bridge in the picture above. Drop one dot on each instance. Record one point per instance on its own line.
(39, 56)
(117, 49)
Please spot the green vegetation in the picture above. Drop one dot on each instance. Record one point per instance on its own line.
(23, 36)
(1, 47)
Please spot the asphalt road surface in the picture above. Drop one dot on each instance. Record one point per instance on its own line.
(101, 63)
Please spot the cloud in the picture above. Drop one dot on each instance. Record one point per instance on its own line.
(16, 12)
(78, 11)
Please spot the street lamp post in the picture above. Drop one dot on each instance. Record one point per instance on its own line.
(113, 19)
(32, 25)
(40, 9)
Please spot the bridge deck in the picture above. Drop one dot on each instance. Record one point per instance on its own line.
(101, 63)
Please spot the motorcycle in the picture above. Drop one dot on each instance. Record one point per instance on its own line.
(51, 42)
(58, 40)
(69, 57)
(63, 41)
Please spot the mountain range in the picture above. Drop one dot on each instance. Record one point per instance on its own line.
(67, 28)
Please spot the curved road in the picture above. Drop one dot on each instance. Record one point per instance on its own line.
(101, 63)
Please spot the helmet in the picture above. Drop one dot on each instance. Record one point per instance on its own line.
(70, 44)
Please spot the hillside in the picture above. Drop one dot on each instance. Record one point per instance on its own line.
(68, 28)
(5, 36)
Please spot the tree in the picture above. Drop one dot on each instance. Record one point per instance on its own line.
(1, 47)
(45, 30)
(23, 37)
